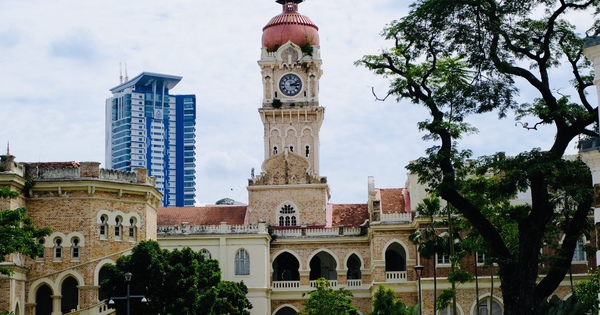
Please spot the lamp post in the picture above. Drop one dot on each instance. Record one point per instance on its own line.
(128, 296)
(419, 270)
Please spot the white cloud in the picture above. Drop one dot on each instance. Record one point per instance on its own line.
(59, 58)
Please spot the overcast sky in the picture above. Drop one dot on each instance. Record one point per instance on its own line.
(59, 58)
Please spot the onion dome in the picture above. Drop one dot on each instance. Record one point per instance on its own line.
(289, 26)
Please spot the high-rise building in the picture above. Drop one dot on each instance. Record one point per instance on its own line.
(147, 127)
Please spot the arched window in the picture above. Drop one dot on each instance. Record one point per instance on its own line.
(291, 148)
(42, 241)
(58, 248)
(103, 226)
(274, 150)
(206, 253)
(132, 230)
(579, 253)
(75, 248)
(242, 262)
(488, 306)
(307, 151)
(118, 228)
(287, 216)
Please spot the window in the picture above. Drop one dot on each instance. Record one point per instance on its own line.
(287, 216)
(118, 227)
(489, 307)
(41, 241)
(58, 248)
(206, 253)
(479, 258)
(242, 262)
(307, 151)
(75, 248)
(132, 230)
(103, 226)
(579, 254)
(443, 259)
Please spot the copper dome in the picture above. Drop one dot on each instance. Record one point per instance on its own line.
(289, 26)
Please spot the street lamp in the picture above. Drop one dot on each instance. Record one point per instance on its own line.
(419, 270)
(128, 296)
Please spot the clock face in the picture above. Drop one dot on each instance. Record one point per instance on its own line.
(290, 84)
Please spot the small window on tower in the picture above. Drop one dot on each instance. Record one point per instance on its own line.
(307, 151)
(291, 148)
(274, 150)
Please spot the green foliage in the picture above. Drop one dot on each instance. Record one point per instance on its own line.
(225, 201)
(17, 232)
(556, 306)
(385, 303)
(459, 59)
(277, 103)
(7, 313)
(445, 298)
(175, 282)
(587, 291)
(324, 300)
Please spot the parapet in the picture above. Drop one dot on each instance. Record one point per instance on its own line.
(62, 171)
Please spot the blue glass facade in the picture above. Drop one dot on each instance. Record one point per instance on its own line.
(146, 127)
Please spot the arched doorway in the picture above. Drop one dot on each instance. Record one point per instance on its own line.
(354, 275)
(103, 275)
(395, 263)
(43, 300)
(285, 268)
(70, 295)
(286, 311)
(323, 265)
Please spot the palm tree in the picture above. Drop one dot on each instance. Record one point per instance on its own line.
(429, 242)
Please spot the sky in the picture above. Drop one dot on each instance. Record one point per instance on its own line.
(59, 59)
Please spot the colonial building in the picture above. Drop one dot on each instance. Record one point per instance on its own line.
(96, 216)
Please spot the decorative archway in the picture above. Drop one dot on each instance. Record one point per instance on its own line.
(70, 295)
(286, 267)
(286, 310)
(43, 300)
(323, 265)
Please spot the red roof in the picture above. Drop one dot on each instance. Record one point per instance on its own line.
(392, 200)
(349, 215)
(197, 216)
(289, 25)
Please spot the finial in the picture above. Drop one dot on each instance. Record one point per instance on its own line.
(285, 1)
(7, 147)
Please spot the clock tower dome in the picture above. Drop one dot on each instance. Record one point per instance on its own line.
(291, 67)
(289, 190)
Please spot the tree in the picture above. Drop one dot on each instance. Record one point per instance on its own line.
(175, 282)
(460, 58)
(17, 232)
(587, 291)
(385, 303)
(225, 201)
(428, 240)
(324, 300)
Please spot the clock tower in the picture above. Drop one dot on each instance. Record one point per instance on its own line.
(289, 190)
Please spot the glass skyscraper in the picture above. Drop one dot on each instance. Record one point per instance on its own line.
(147, 127)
